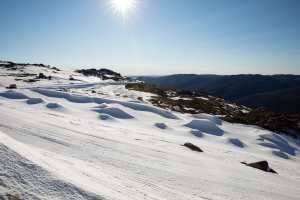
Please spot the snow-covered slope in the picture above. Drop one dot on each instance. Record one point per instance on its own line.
(93, 139)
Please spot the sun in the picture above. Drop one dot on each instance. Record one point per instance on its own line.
(123, 7)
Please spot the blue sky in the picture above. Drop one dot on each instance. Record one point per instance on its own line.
(159, 36)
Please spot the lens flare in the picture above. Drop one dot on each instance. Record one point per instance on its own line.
(123, 7)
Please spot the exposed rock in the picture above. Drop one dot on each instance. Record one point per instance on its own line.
(55, 68)
(187, 101)
(104, 74)
(19, 66)
(192, 147)
(9, 65)
(13, 197)
(31, 80)
(24, 75)
(196, 102)
(277, 122)
(262, 165)
(12, 86)
(142, 87)
(42, 76)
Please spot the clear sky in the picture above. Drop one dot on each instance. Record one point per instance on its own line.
(158, 37)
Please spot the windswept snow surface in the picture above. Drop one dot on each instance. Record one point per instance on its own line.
(62, 142)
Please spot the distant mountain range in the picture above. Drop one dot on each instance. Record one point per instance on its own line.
(281, 93)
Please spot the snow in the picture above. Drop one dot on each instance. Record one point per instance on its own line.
(60, 141)
(54, 106)
(114, 112)
(181, 98)
(203, 98)
(206, 126)
(161, 125)
(245, 111)
(32, 101)
(231, 105)
(23, 175)
(237, 142)
(13, 95)
(209, 117)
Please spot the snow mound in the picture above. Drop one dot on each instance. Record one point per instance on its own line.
(281, 154)
(10, 94)
(148, 108)
(212, 118)
(63, 95)
(114, 112)
(86, 99)
(197, 133)
(206, 126)
(103, 105)
(161, 125)
(55, 106)
(106, 117)
(236, 142)
(33, 101)
(280, 145)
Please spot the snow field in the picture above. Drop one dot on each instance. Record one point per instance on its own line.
(60, 143)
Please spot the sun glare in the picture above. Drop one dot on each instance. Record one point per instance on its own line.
(123, 7)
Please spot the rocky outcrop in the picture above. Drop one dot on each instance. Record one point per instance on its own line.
(262, 165)
(104, 74)
(187, 101)
(192, 147)
(14, 66)
(195, 102)
(12, 86)
(277, 122)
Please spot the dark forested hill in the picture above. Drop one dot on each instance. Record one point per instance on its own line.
(278, 92)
